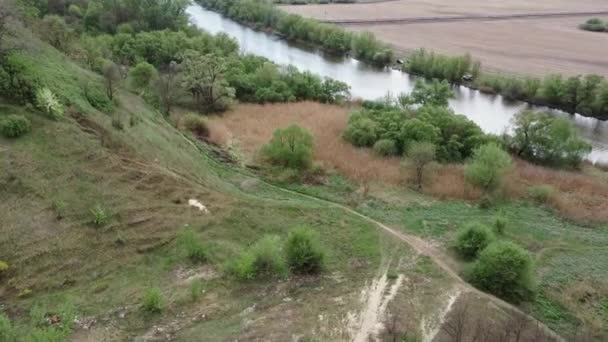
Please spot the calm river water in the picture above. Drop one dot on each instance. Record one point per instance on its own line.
(492, 113)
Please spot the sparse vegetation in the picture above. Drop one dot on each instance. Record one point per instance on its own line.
(262, 260)
(506, 270)
(153, 301)
(472, 239)
(304, 251)
(196, 124)
(541, 193)
(3, 268)
(191, 246)
(13, 126)
(100, 215)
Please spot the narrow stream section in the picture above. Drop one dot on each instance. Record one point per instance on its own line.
(492, 113)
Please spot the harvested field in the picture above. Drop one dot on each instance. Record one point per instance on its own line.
(528, 46)
(578, 195)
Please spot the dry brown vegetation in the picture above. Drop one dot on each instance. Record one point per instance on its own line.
(578, 195)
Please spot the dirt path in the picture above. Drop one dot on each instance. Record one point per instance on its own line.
(487, 17)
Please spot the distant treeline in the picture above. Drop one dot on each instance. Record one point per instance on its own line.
(586, 95)
(331, 38)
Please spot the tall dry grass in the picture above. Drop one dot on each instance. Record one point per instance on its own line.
(578, 196)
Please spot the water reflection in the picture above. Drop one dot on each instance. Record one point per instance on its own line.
(492, 113)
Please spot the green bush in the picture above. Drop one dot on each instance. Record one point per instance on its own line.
(196, 124)
(100, 216)
(263, 260)
(142, 75)
(361, 132)
(196, 289)
(3, 267)
(49, 103)
(505, 270)
(7, 332)
(117, 123)
(385, 147)
(500, 224)
(472, 239)
(487, 167)
(193, 249)
(153, 301)
(541, 193)
(14, 126)
(290, 147)
(304, 252)
(97, 98)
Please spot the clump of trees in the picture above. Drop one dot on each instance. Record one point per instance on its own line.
(262, 14)
(594, 25)
(453, 69)
(548, 140)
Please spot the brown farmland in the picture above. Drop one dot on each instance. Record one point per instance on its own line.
(527, 46)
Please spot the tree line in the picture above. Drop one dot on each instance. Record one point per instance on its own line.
(331, 38)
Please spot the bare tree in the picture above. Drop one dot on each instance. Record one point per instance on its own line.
(111, 76)
(168, 87)
(8, 16)
(456, 327)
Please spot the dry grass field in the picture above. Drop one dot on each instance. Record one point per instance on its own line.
(531, 46)
(578, 196)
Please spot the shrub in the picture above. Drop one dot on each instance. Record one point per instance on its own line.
(385, 147)
(304, 252)
(153, 301)
(196, 289)
(3, 267)
(97, 98)
(117, 123)
(421, 154)
(541, 193)
(48, 102)
(361, 132)
(14, 126)
(263, 260)
(290, 147)
(594, 24)
(505, 270)
(500, 224)
(472, 239)
(191, 246)
(196, 124)
(487, 167)
(142, 74)
(100, 216)
(7, 331)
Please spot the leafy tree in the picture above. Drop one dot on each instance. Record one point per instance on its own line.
(290, 147)
(56, 32)
(472, 239)
(545, 139)
(168, 87)
(304, 251)
(435, 93)
(361, 131)
(505, 270)
(487, 167)
(416, 130)
(111, 76)
(385, 147)
(204, 77)
(142, 75)
(421, 154)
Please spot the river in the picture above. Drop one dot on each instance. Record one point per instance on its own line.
(492, 113)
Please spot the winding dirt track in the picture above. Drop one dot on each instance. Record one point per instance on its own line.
(436, 19)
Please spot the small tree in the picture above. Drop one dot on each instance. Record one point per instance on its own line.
(142, 74)
(472, 239)
(304, 252)
(421, 154)
(505, 270)
(487, 167)
(111, 76)
(168, 87)
(290, 147)
(56, 32)
(204, 78)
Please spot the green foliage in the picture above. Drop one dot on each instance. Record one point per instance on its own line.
(361, 131)
(595, 25)
(204, 78)
(420, 154)
(142, 75)
(434, 93)
(153, 301)
(500, 224)
(3, 267)
(7, 332)
(18, 81)
(97, 98)
(196, 289)
(290, 147)
(552, 141)
(56, 32)
(196, 124)
(431, 65)
(100, 215)
(541, 193)
(385, 147)
(191, 246)
(472, 239)
(111, 77)
(13, 126)
(263, 260)
(487, 167)
(48, 102)
(505, 270)
(304, 251)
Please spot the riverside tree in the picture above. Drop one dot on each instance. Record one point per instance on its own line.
(487, 167)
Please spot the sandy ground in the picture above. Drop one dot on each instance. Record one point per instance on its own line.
(528, 46)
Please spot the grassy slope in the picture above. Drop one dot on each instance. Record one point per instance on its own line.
(143, 177)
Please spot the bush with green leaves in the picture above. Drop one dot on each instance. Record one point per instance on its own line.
(153, 301)
(500, 224)
(14, 126)
(505, 270)
(142, 75)
(8, 332)
(3, 267)
(420, 155)
(196, 289)
(191, 246)
(49, 103)
(361, 131)
(304, 251)
(487, 167)
(541, 193)
(262, 260)
(289, 147)
(472, 239)
(385, 147)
